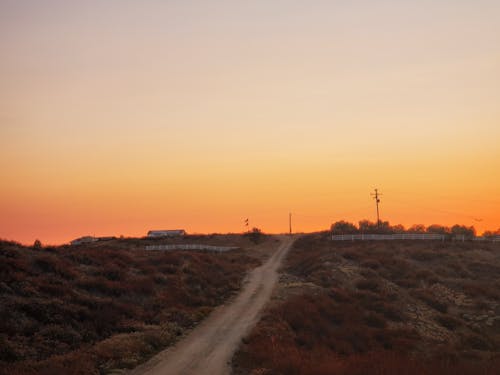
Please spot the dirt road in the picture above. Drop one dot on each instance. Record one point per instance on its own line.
(208, 349)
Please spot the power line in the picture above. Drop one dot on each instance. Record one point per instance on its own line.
(438, 210)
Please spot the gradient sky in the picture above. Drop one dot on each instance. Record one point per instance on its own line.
(119, 116)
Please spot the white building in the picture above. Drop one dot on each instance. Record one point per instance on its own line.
(166, 233)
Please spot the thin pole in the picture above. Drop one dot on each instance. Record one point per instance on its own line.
(376, 196)
(290, 222)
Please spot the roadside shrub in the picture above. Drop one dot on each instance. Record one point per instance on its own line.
(141, 285)
(352, 255)
(7, 352)
(340, 295)
(431, 300)
(408, 283)
(371, 263)
(449, 322)
(371, 285)
(425, 255)
(61, 333)
(375, 320)
(255, 235)
(477, 342)
(477, 288)
(53, 287)
(427, 276)
(100, 285)
(53, 264)
(113, 273)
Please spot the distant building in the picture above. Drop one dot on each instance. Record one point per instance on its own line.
(84, 239)
(166, 233)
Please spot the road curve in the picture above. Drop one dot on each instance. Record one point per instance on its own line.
(208, 349)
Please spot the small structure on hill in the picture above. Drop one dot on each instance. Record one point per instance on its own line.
(166, 233)
(82, 240)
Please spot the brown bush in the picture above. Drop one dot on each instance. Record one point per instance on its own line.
(371, 285)
(371, 263)
(477, 342)
(375, 320)
(449, 322)
(481, 289)
(431, 300)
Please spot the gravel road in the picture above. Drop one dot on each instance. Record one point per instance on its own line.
(208, 349)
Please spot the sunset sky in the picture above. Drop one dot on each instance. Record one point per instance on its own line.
(121, 116)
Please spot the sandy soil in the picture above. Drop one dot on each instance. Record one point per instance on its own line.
(208, 349)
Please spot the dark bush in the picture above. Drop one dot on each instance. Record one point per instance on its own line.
(477, 342)
(375, 320)
(431, 300)
(449, 322)
(371, 285)
(255, 235)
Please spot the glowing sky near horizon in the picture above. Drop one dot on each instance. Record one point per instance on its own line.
(118, 116)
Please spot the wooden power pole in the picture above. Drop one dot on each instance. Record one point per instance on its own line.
(376, 196)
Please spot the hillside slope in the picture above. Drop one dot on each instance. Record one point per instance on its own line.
(381, 307)
(92, 308)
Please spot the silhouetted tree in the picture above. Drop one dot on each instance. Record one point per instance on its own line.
(343, 227)
(255, 235)
(438, 229)
(366, 226)
(37, 245)
(398, 229)
(462, 230)
(417, 228)
(491, 233)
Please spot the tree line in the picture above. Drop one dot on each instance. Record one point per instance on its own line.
(384, 227)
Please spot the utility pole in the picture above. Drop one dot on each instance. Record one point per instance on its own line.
(246, 224)
(376, 196)
(290, 222)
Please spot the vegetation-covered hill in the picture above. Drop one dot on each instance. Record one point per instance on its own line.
(390, 307)
(91, 308)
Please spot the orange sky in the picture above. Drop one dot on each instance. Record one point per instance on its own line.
(118, 117)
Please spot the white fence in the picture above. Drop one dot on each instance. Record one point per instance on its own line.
(219, 249)
(494, 239)
(388, 237)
